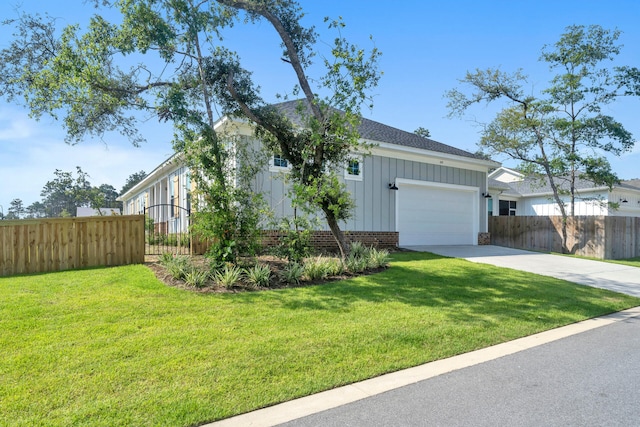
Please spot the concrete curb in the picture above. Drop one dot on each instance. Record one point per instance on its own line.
(319, 402)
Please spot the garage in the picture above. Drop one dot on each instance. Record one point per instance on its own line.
(436, 214)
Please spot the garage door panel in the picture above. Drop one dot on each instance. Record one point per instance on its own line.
(436, 216)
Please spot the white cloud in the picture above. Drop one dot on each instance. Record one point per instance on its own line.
(14, 128)
(30, 152)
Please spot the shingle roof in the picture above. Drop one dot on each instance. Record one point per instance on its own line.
(540, 185)
(631, 183)
(379, 132)
(498, 185)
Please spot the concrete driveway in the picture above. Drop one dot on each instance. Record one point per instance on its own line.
(615, 277)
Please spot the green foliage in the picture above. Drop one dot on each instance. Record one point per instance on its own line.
(292, 273)
(362, 258)
(172, 239)
(228, 212)
(258, 276)
(357, 264)
(132, 180)
(295, 238)
(423, 132)
(177, 265)
(228, 277)
(357, 249)
(196, 277)
(563, 131)
(166, 257)
(321, 267)
(185, 75)
(378, 258)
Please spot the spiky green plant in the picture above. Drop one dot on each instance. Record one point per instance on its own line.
(259, 275)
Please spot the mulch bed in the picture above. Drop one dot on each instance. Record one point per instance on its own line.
(276, 265)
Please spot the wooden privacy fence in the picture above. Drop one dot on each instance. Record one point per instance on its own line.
(605, 237)
(43, 245)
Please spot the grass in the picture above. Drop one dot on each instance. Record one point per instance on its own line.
(114, 346)
(632, 262)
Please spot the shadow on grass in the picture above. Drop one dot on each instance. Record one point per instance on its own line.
(458, 288)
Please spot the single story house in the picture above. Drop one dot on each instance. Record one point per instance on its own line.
(512, 193)
(428, 192)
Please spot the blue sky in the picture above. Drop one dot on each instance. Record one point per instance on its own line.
(427, 46)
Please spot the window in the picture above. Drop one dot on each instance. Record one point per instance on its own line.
(277, 163)
(354, 167)
(353, 171)
(490, 206)
(507, 207)
(175, 201)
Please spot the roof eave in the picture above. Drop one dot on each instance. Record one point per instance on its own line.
(153, 176)
(437, 155)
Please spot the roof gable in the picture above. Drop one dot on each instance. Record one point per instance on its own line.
(503, 174)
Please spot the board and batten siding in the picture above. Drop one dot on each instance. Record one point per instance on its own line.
(375, 203)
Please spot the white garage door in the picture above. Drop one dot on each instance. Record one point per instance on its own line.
(434, 215)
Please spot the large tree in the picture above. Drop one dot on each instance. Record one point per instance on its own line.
(319, 140)
(65, 193)
(132, 180)
(184, 73)
(562, 132)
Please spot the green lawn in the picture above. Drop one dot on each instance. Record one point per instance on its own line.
(633, 262)
(115, 346)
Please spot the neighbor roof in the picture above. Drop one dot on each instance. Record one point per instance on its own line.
(379, 132)
(540, 185)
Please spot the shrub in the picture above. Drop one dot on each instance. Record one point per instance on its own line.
(357, 250)
(357, 264)
(166, 258)
(294, 243)
(292, 273)
(335, 266)
(378, 258)
(322, 267)
(177, 265)
(315, 269)
(258, 275)
(228, 277)
(196, 277)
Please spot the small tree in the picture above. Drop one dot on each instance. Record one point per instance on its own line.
(423, 132)
(16, 209)
(561, 133)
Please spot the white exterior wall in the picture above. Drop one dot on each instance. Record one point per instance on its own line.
(543, 206)
(157, 191)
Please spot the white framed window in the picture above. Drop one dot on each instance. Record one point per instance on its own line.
(277, 163)
(354, 169)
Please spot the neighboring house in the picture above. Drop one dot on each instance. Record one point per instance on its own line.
(97, 212)
(515, 194)
(428, 192)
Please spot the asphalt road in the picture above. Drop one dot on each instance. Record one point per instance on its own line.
(588, 379)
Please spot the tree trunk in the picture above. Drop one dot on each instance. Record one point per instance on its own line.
(343, 243)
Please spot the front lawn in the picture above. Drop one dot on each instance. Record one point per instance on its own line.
(114, 346)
